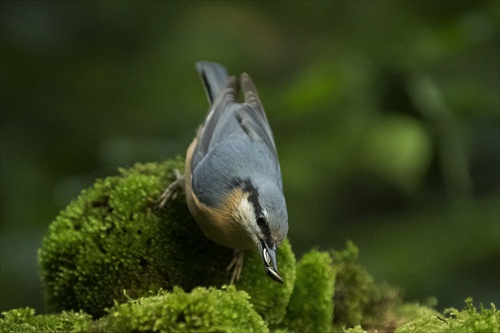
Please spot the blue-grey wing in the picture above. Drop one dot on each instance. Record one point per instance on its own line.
(235, 141)
(253, 119)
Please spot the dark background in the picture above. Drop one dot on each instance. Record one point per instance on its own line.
(386, 118)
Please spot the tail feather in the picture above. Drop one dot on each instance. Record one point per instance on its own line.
(214, 77)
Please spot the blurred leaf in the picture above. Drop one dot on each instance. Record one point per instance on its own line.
(399, 149)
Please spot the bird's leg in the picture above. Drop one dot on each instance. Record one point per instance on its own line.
(236, 265)
(171, 191)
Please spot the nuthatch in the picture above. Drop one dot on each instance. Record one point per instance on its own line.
(232, 177)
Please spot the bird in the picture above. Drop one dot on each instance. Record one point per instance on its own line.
(232, 178)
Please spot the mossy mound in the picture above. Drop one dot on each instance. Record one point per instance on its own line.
(311, 307)
(112, 239)
(269, 298)
(201, 310)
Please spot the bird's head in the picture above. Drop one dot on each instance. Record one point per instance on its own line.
(264, 216)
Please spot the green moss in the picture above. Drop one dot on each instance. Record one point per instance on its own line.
(358, 299)
(111, 239)
(229, 310)
(201, 310)
(311, 306)
(355, 329)
(24, 320)
(269, 298)
(453, 320)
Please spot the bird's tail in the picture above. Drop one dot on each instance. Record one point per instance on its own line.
(214, 77)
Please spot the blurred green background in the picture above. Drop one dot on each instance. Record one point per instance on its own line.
(385, 114)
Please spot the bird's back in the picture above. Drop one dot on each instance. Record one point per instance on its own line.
(235, 142)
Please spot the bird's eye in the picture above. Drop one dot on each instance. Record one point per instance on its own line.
(261, 220)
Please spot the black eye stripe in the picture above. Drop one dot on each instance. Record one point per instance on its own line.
(253, 197)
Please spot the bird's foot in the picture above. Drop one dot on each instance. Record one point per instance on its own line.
(236, 265)
(171, 191)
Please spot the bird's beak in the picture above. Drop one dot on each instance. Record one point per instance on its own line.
(269, 257)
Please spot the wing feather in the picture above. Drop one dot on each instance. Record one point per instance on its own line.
(235, 138)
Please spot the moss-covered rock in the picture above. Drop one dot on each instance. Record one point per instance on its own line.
(311, 307)
(112, 238)
(201, 310)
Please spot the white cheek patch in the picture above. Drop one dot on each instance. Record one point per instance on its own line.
(245, 216)
(245, 213)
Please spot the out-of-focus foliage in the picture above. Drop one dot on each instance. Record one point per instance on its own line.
(385, 114)
(358, 300)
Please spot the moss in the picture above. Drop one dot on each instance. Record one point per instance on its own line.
(355, 329)
(24, 320)
(269, 298)
(311, 306)
(229, 310)
(112, 238)
(452, 320)
(359, 301)
(201, 310)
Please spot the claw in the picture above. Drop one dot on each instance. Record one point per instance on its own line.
(236, 265)
(171, 191)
